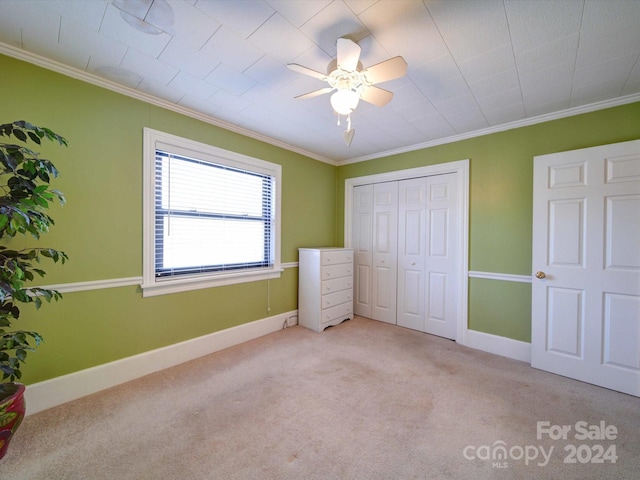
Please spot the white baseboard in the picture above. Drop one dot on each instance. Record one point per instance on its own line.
(506, 347)
(56, 391)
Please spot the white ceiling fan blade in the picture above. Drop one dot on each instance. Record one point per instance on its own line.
(348, 54)
(306, 71)
(395, 67)
(377, 96)
(322, 91)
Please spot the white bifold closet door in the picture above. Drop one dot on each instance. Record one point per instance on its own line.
(375, 250)
(404, 238)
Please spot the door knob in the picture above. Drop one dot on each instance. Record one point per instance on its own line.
(540, 275)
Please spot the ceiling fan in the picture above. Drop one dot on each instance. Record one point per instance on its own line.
(350, 82)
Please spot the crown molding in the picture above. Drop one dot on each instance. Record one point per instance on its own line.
(570, 112)
(87, 77)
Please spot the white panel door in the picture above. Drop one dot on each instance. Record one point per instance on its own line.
(412, 236)
(385, 252)
(362, 242)
(441, 255)
(586, 252)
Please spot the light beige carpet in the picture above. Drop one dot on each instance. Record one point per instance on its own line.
(363, 400)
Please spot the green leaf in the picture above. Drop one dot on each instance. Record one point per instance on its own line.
(20, 337)
(19, 134)
(34, 137)
(44, 176)
(40, 201)
(40, 272)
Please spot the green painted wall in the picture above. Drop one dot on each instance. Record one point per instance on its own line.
(500, 210)
(100, 228)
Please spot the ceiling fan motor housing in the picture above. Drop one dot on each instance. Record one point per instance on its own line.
(343, 79)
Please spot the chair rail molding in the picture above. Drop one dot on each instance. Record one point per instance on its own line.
(507, 277)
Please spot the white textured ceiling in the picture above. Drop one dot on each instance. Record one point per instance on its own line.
(473, 65)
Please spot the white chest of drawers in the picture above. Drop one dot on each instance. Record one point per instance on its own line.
(325, 287)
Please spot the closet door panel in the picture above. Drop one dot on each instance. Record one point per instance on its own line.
(385, 246)
(437, 297)
(441, 262)
(363, 248)
(411, 296)
(411, 253)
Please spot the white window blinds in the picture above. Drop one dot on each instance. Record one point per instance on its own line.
(210, 218)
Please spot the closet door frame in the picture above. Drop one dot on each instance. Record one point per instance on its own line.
(461, 168)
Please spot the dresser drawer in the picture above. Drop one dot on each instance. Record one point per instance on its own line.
(336, 257)
(339, 312)
(333, 299)
(337, 284)
(337, 271)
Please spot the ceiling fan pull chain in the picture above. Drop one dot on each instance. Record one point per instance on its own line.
(349, 122)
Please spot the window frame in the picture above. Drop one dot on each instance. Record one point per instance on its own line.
(152, 285)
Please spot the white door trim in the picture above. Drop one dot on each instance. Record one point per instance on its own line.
(461, 167)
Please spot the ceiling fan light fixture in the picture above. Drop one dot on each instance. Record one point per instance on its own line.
(344, 101)
(348, 82)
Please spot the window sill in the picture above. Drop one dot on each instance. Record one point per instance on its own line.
(163, 287)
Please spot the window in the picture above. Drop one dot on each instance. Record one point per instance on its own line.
(211, 216)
